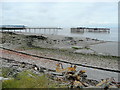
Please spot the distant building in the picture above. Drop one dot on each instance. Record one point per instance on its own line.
(12, 26)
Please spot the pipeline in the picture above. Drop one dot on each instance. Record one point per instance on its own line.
(99, 68)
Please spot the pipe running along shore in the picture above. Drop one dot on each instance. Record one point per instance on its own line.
(53, 59)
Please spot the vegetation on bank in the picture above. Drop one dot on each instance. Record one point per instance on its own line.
(27, 79)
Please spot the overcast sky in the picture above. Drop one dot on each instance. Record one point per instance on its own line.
(61, 14)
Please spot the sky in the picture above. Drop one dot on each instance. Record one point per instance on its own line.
(60, 14)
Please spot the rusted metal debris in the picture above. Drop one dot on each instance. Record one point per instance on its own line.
(78, 79)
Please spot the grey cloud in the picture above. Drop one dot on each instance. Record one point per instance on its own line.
(59, 14)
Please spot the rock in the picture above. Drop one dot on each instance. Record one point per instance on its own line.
(2, 78)
(81, 40)
(84, 51)
(78, 47)
(68, 38)
(37, 37)
(35, 67)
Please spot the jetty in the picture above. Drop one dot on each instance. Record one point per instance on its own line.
(23, 28)
(82, 29)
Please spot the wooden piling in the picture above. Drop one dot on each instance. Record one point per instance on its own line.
(28, 29)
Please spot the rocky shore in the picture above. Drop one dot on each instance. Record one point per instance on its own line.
(82, 50)
(12, 71)
(79, 50)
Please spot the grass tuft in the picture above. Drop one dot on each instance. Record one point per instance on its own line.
(28, 79)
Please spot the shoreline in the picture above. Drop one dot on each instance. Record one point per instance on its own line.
(52, 48)
(90, 43)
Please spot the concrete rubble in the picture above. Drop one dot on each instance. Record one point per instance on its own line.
(68, 76)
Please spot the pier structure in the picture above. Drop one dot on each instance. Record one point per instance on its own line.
(48, 29)
(30, 29)
(77, 30)
(82, 29)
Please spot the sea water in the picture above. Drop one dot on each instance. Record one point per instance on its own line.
(111, 36)
(107, 36)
